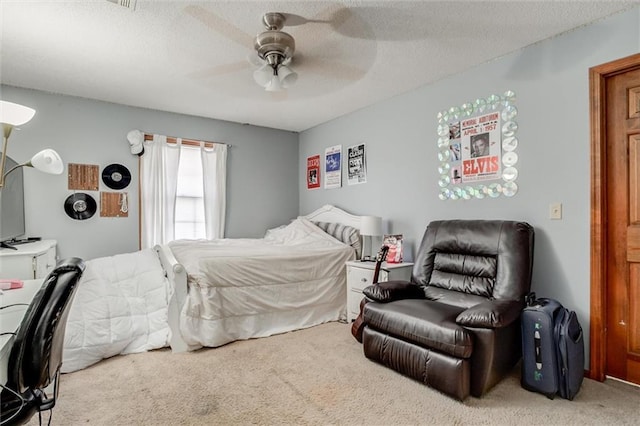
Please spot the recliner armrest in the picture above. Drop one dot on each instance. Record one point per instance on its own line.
(491, 314)
(388, 291)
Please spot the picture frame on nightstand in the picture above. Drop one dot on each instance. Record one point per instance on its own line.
(394, 242)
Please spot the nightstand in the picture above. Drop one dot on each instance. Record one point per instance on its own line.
(360, 275)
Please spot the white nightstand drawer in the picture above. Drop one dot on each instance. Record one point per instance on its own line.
(360, 278)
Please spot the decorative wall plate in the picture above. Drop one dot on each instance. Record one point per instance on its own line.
(80, 206)
(116, 176)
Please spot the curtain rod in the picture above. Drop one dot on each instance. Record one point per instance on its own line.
(185, 141)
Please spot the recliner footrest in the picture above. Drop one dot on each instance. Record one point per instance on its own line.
(447, 374)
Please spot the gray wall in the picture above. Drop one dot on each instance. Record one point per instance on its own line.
(551, 82)
(262, 177)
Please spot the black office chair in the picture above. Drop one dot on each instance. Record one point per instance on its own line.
(36, 354)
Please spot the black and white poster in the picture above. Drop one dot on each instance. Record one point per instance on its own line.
(357, 168)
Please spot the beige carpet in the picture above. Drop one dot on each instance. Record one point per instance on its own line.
(317, 376)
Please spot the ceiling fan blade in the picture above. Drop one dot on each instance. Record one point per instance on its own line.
(292, 20)
(219, 25)
(334, 15)
(330, 68)
(220, 70)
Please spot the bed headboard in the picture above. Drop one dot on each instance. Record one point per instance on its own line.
(329, 213)
(334, 215)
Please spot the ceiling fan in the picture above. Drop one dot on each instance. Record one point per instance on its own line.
(273, 58)
(275, 48)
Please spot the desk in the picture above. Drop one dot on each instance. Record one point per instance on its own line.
(10, 318)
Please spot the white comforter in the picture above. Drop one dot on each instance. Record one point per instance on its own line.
(120, 307)
(292, 278)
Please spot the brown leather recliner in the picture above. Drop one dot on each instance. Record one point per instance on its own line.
(456, 325)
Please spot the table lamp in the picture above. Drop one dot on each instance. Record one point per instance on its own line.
(370, 226)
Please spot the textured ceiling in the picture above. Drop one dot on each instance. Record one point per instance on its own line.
(191, 57)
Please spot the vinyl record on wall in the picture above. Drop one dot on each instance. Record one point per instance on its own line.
(116, 176)
(80, 206)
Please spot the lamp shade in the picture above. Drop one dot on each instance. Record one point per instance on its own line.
(274, 85)
(288, 77)
(15, 114)
(47, 161)
(263, 75)
(371, 225)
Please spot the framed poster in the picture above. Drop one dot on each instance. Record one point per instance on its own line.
(357, 170)
(476, 149)
(313, 172)
(333, 167)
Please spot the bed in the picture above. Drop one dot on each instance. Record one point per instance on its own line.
(238, 289)
(190, 294)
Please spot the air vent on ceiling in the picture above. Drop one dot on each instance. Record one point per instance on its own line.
(129, 4)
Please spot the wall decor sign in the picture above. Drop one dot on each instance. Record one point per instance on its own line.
(476, 149)
(83, 177)
(313, 172)
(357, 170)
(114, 204)
(333, 167)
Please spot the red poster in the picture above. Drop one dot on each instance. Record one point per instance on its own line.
(313, 172)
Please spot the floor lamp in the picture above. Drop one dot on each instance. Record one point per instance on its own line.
(12, 115)
(370, 226)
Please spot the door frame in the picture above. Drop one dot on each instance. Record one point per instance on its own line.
(598, 107)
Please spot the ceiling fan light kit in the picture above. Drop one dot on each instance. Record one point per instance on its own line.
(276, 49)
(287, 76)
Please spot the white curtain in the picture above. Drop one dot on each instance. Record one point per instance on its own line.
(214, 173)
(158, 185)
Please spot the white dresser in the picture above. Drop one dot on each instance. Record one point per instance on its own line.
(30, 261)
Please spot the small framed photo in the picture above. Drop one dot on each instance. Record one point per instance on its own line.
(394, 242)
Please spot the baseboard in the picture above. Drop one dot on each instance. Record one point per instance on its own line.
(623, 381)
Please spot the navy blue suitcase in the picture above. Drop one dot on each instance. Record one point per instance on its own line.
(552, 349)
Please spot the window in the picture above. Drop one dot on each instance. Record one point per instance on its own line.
(189, 215)
(182, 190)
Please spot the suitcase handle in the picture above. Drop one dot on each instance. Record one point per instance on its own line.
(530, 298)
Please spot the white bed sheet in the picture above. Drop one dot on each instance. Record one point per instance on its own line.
(244, 288)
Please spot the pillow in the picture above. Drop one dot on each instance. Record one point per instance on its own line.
(343, 233)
